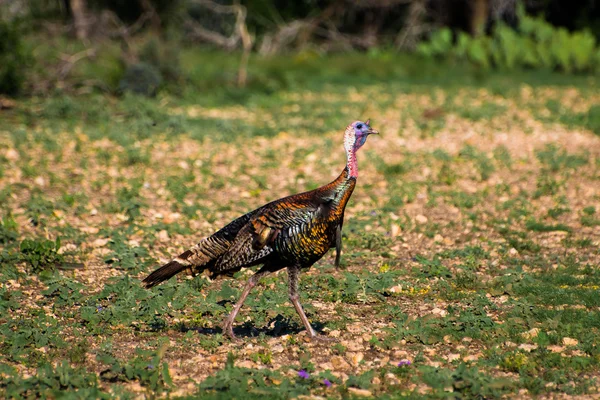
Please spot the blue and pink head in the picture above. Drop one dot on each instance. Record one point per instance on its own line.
(355, 137)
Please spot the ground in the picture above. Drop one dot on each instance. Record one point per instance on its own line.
(470, 263)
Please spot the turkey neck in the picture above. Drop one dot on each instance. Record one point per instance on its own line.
(351, 164)
(344, 184)
(340, 190)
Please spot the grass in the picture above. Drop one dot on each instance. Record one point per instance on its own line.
(470, 243)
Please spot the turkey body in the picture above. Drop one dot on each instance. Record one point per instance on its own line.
(296, 231)
(293, 232)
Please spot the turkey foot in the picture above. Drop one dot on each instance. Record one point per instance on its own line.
(228, 331)
(322, 338)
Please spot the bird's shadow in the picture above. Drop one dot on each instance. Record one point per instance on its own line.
(275, 327)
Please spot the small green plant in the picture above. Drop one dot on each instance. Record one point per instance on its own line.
(481, 160)
(589, 210)
(339, 348)
(537, 226)
(546, 185)
(263, 356)
(469, 382)
(41, 254)
(211, 342)
(129, 200)
(590, 220)
(433, 268)
(447, 176)
(51, 381)
(556, 159)
(556, 212)
(8, 229)
(37, 206)
(147, 368)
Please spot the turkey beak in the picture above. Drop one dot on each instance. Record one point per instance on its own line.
(372, 131)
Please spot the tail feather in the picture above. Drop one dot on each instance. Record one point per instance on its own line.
(200, 257)
(164, 273)
(195, 259)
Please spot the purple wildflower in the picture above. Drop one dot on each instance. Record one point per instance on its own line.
(303, 374)
(326, 382)
(404, 363)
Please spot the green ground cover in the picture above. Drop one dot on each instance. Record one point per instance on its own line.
(470, 244)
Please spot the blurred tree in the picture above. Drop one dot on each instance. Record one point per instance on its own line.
(78, 9)
(479, 16)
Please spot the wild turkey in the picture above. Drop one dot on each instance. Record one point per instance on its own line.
(293, 232)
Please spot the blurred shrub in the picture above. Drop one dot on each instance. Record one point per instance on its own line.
(159, 65)
(13, 59)
(534, 44)
(164, 57)
(141, 78)
(41, 254)
(593, 119)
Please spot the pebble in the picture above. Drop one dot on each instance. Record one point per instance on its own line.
(163, 235)
(528, 347)
(278, 348)
(66, 248)
(567, 341)
(12, 155)
(101, 252)
(532, 333)
(439, 311)
(360, 392)
(391, 379)
(556, 349)
(448, 241)
(99, 242)
(356, 358)
(245, 364)
(396, 289)
(396, 230)
(421, 219)
(89, 229)
(171, 217)
(339, 363)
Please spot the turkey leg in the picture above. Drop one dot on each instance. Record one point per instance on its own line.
(228, 325)
(293, 279)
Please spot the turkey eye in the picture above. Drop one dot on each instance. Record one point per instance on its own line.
(359, 126)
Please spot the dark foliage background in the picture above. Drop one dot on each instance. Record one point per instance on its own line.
(147, 37)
